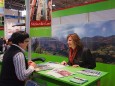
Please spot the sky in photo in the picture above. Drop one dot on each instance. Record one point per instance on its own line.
(101, 28)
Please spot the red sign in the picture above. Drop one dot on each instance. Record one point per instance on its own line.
(40, 23)
(1, 27)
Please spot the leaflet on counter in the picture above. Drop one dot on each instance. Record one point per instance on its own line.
(59, 73)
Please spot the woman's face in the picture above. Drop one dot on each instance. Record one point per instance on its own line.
(70, 42)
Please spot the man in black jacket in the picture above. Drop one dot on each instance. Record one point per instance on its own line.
(15, 68)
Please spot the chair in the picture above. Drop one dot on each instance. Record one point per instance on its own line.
(31, 83)
(38, 59)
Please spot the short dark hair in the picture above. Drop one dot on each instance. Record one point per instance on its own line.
(19, 37)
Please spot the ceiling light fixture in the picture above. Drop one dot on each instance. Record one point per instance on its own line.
(53, 5)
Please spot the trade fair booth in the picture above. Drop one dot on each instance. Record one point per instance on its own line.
(49, 22)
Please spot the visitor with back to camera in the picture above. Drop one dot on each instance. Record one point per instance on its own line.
(15, 68)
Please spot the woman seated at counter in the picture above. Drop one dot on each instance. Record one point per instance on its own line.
(78, 56)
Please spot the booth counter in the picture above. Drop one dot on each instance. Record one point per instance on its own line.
(65, 81)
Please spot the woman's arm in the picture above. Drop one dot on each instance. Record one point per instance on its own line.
(88, 59)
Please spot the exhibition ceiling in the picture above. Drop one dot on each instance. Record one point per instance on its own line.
(15, 4)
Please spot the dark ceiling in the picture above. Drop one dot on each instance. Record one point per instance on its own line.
(59, 4)
(15, 4)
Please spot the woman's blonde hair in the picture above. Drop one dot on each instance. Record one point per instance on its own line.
(76, 40)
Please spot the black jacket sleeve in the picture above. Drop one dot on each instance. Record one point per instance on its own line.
(88, 61)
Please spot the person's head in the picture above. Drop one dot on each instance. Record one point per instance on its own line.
(73, 41)
(20, 38)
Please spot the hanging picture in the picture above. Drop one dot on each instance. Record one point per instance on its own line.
(40, 13)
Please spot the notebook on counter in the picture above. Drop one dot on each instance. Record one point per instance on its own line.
(58, 73)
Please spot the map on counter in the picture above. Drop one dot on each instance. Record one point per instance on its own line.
(54, 64)
(90, 72)
(59, 73)
(48, 66)
(78, 80)
(42, 67)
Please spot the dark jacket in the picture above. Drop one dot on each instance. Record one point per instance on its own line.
(1, 44)
(8, 76)
(84, 58)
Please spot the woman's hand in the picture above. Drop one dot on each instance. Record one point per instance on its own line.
(75, 65)
(64, 63)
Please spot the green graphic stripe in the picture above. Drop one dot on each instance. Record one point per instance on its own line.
(1, 33)
(109, 4)
(40, 32)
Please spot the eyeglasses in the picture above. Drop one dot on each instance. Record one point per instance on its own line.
(26, 41)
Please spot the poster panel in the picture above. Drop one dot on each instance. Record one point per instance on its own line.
(40, 13)
(1, 3)
(1, 14)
